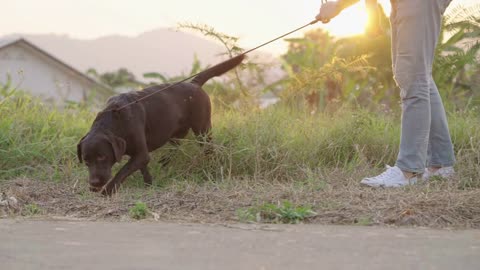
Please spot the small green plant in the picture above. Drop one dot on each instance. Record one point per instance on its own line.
(311, 182)
(139, 211)
(31, 209)
(286, 212)
(364, 221)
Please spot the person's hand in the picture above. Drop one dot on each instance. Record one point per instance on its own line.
(328, 11)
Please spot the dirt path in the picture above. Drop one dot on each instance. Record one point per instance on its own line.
(27, 244)
(437, 205)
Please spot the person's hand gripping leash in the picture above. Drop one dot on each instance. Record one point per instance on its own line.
(328, 10)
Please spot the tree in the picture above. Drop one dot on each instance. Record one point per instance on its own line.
(316, 71)
(116, 79)
(358, 69)
(196, 68)
(456, 68)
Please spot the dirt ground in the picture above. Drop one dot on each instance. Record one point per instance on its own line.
(439, 204)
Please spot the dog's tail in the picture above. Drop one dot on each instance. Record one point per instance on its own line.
(217, 70)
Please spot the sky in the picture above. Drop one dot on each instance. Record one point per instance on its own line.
(254, 21)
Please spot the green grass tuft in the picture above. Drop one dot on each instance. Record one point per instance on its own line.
(286, 212)
(139, 211)
(31, 209)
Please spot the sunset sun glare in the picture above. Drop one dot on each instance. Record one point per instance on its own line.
(351, 21)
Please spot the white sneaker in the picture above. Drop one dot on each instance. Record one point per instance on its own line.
(392, 177)
(444, 172)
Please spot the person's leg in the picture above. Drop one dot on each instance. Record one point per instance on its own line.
(415, 31)
(393, 176)
(440, 148)
(418, 26)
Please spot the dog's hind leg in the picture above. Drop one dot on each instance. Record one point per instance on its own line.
(167, 157)
(147, 177)
(201, 122)
(203, 133)
(175, 141)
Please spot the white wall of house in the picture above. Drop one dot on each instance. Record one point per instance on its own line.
(40, 75)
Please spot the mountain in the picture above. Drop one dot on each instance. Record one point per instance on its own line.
(162, 50)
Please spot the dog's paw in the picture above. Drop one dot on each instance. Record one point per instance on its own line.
(108, 190)
(148, 183)
(95, 189)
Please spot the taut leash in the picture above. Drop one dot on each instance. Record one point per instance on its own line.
(193, 76)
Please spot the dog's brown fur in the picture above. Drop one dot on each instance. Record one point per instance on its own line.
(145, 126)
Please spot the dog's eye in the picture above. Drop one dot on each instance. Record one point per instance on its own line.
(101, 158)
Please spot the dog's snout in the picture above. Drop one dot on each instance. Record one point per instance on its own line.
(95, 182)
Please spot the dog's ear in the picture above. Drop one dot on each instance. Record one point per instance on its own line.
(79, 149)
(119, 147)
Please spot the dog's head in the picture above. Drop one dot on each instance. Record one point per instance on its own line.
(100, 152)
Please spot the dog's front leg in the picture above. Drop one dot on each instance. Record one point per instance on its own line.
(136, 162)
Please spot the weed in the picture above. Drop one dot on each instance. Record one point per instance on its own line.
(286, 212)
(31, 209)
(139, 211)
(364, 221)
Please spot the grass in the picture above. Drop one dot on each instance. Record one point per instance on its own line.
(285, 212)
(139, 211)
(31, 209)
(364, 221)
(259, 157)
(277, 144)
(38, 141)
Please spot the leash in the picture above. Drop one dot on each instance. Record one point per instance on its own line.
(193, 76)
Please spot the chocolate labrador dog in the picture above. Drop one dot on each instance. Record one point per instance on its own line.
(145, 125)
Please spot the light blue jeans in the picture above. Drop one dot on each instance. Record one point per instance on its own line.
(425, 138)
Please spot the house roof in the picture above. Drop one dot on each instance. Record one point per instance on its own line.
(6, 42)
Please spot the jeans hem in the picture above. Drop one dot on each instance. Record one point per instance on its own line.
(441, 165)
(405, 169)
